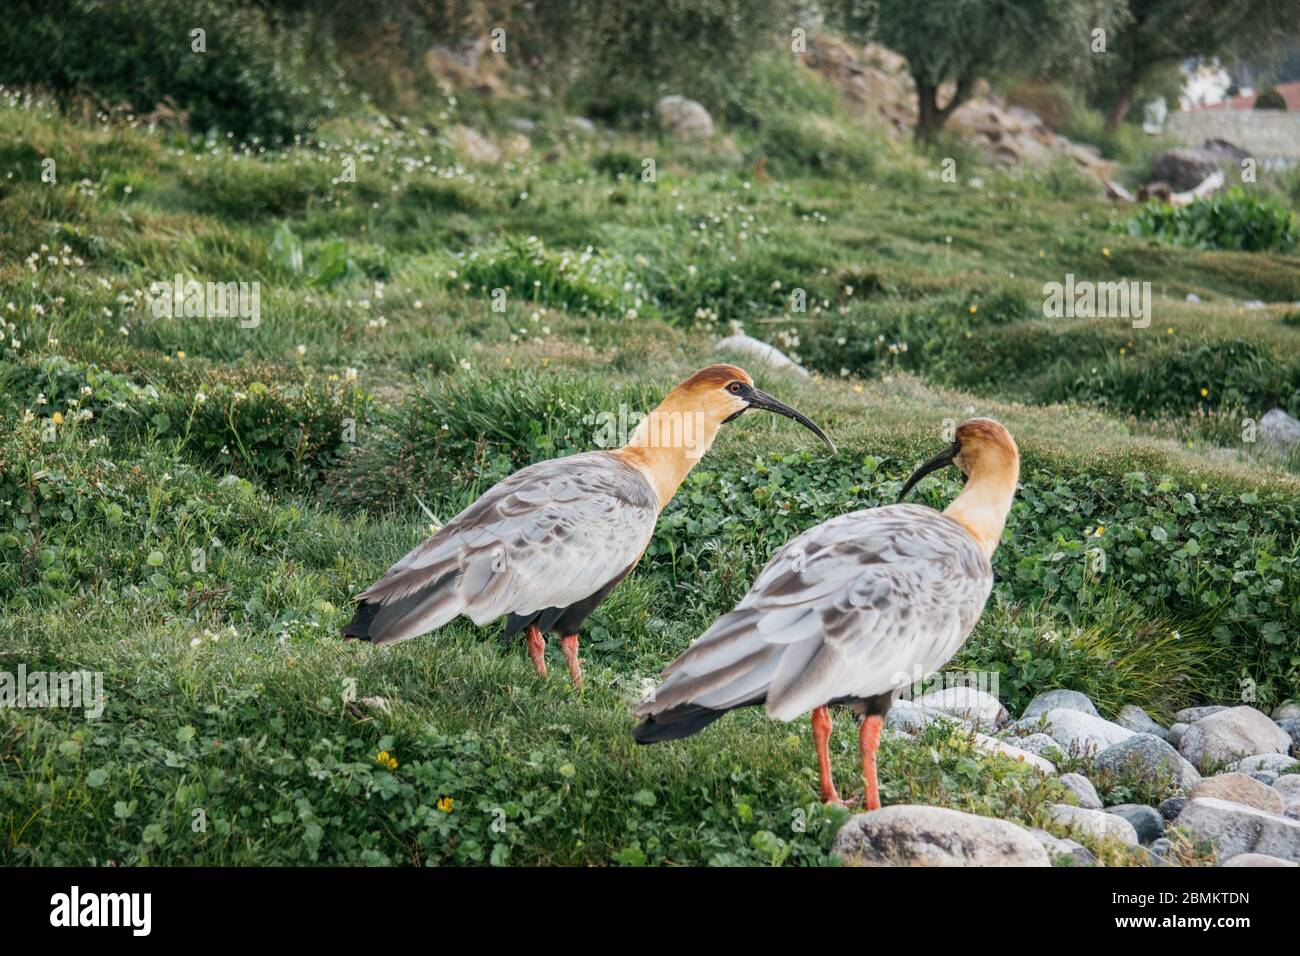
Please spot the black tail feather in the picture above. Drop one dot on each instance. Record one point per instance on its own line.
(359, 626)
(675, 723)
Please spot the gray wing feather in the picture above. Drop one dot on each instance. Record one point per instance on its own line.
(549, 535)
(846, 609)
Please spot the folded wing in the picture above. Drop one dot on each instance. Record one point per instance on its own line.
(855, 607)
(550, 535)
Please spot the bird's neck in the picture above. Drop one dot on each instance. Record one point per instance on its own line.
(668, 443)
(983, 505)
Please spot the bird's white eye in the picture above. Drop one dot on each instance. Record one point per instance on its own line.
(734, 388)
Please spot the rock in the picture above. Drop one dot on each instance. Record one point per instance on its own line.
(1169, 809)
(472, 145)
(1264, 763)
(1147, 757)
(1146, 821)
(1239, 788)
(1176, 732)
(1267, 778)
(1081, 787)
(1094, 823)
(1279, 431)
(1234, 828)
(760, 351)
(1190, 715)
(993, 745)
(1292, 726)
(1231, 734)
(1073, 729)
(683, 118)
(1042, 745)
(1137, 720)
(910, 835)
(912, 717)
(1185, 168)
(969, 703)
(522, 124)
(1288, 785)
(1256, 859)
(1058, 699)
(1064, 852)
(1286, 711)
(1162, 850)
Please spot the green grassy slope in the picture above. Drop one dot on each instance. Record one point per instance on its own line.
(197, 535)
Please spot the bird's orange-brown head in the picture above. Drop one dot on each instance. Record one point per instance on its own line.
(987, 455)
(677, 433)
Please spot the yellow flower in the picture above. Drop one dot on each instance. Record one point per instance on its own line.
(384, 759)
(1105, 251)
(446, 804)
(1205, 393)
(1101, 529)
(1042, 254)
(57, 417)
(180, 354)
(974, 309)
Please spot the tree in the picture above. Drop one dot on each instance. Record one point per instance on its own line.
(958, 42)
(1166, 32)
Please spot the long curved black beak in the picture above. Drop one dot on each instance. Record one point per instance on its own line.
(940, 460)
(760, 399)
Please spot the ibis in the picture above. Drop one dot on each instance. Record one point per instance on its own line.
(546, 545)
(848, 612)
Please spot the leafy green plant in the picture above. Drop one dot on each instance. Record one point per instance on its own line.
(1231, 220)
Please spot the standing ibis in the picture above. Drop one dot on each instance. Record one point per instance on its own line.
(850, 611)
(547, 544)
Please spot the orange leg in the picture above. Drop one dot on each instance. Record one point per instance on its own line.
(868, 740)
(570, 647)
(821, 731)
(537, 649)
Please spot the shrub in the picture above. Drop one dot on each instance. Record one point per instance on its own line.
(1230, 220)
(1270, 99)
(262, 75)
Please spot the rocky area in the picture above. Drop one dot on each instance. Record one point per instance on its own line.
(1218, 785)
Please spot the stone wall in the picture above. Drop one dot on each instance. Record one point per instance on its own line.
(1272, 137)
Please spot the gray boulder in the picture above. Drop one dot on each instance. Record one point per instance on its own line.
(1264, 763)
(971, 704)
(1147, 757)
(1256, 859)
(908, 835)
(1137, 720)
(1080, 731)
(1082, 788)
(1231, 734)
(1176, 732)
(1042, 745)
(910, 716)
(1064, 852)
(1279, 431)
(1190, 715)
(683, 118)
(1094, 823)
(1162, 851)
(1169, 809)
(1286, 711)
(1234, 828)
(1011, 752)
(1186, 168)
(1058, 699)
(1292, 726)
(1146, 821)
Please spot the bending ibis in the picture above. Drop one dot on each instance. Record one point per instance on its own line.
(546, 545)
(850, 611)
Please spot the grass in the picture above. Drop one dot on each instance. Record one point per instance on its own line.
(194, 522)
